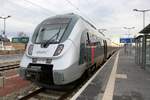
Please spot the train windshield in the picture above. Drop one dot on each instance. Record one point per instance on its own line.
(51, 31)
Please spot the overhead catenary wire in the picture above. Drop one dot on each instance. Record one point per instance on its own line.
(52, 12)
(73, 5)
(45, 9)
(78, 9)
(33, 4)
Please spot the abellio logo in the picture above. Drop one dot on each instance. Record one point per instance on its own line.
(41, 52)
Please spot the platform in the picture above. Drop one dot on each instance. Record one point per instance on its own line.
(118, 79)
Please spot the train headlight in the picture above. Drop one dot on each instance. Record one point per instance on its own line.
(30, 49)
(59, 49)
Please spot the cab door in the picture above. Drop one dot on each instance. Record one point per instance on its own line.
(83, 58)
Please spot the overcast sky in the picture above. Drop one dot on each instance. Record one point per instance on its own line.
(112, 15)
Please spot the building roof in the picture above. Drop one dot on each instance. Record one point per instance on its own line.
(146, 30)
(140, 36)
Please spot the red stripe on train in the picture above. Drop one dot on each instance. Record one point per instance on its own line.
(92, 54)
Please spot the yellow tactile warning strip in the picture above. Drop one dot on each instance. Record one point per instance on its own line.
(108, 94)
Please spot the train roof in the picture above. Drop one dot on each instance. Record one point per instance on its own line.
(72, 16)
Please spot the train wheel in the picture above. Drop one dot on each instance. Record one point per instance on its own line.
(93, 68)
(89, 72)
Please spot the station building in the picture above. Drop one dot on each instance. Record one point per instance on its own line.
(142, 48)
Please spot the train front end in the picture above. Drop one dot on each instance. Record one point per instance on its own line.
(49, 54)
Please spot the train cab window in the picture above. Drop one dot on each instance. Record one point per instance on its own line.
(51, 30)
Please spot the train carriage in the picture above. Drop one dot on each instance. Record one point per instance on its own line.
(62, 49)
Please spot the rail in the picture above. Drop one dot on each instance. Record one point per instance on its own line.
(31, 94)
(9, 65)
(49, 95)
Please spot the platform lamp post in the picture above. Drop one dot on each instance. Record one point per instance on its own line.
(144, 38)
(4, 18)
(143, 11)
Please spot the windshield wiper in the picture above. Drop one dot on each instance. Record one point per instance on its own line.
(51, 40)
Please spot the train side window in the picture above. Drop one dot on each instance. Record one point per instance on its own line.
(91, 39)
(99, 44)
(102, 43)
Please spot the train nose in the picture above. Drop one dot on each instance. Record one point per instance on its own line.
(40, 73)
(44, 52)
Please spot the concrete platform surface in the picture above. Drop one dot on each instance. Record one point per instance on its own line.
(119, 79)
(135, 85)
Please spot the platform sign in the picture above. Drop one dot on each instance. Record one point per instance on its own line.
(20, 40)
(127, 40)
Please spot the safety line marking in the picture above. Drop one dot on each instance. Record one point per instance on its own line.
(108, 94)
(90, 80)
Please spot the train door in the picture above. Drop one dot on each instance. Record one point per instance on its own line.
(86, 56)
(88, 49)
(105, 49)
(84, 48)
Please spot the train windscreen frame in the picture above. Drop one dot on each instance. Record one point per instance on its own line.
(49, 29)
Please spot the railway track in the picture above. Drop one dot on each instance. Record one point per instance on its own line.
(45, 94)
(50, 94)
(9, 65)
(30, 94)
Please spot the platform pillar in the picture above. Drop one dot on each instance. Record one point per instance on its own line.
(144, 52)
